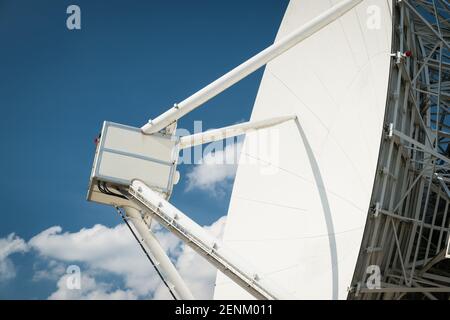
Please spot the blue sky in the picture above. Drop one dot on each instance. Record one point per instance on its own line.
(130, 61)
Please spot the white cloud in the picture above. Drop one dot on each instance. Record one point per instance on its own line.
(52, 271)
(90, 290)
(104, 250)
(198, 274)
(9, 245)
(112, 250)
(217, 169)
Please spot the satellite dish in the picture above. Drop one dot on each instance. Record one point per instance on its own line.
(349, 175)
(308, 215)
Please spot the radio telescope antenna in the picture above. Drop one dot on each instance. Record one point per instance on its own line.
(135, 169)
(364, 173)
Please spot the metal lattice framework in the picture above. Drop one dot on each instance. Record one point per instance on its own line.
(408, 223)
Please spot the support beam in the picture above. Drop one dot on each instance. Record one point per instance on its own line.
(163, 262)
(248, 67)
(394, 289)
(236, 268)
(230, 131)
(424, 148)
(432, 262)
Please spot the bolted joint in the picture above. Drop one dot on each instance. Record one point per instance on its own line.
(375, 210)
(373, 249)
(388, 129)
(401, 56)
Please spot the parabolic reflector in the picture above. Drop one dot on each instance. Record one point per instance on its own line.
(298, 212)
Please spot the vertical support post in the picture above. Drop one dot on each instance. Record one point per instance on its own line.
(158, 252)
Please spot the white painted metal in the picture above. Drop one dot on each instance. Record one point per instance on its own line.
(160, 257)
(289, 40)
(124, 153)
(447, 252)
(309, 212)
(230, 131)
(423, 147)
(244, 274)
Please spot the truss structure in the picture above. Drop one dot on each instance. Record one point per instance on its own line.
(407, 228)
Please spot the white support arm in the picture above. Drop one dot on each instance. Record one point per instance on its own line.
(163, 261)
(248, 67)
(230, 131)
(201, 241)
